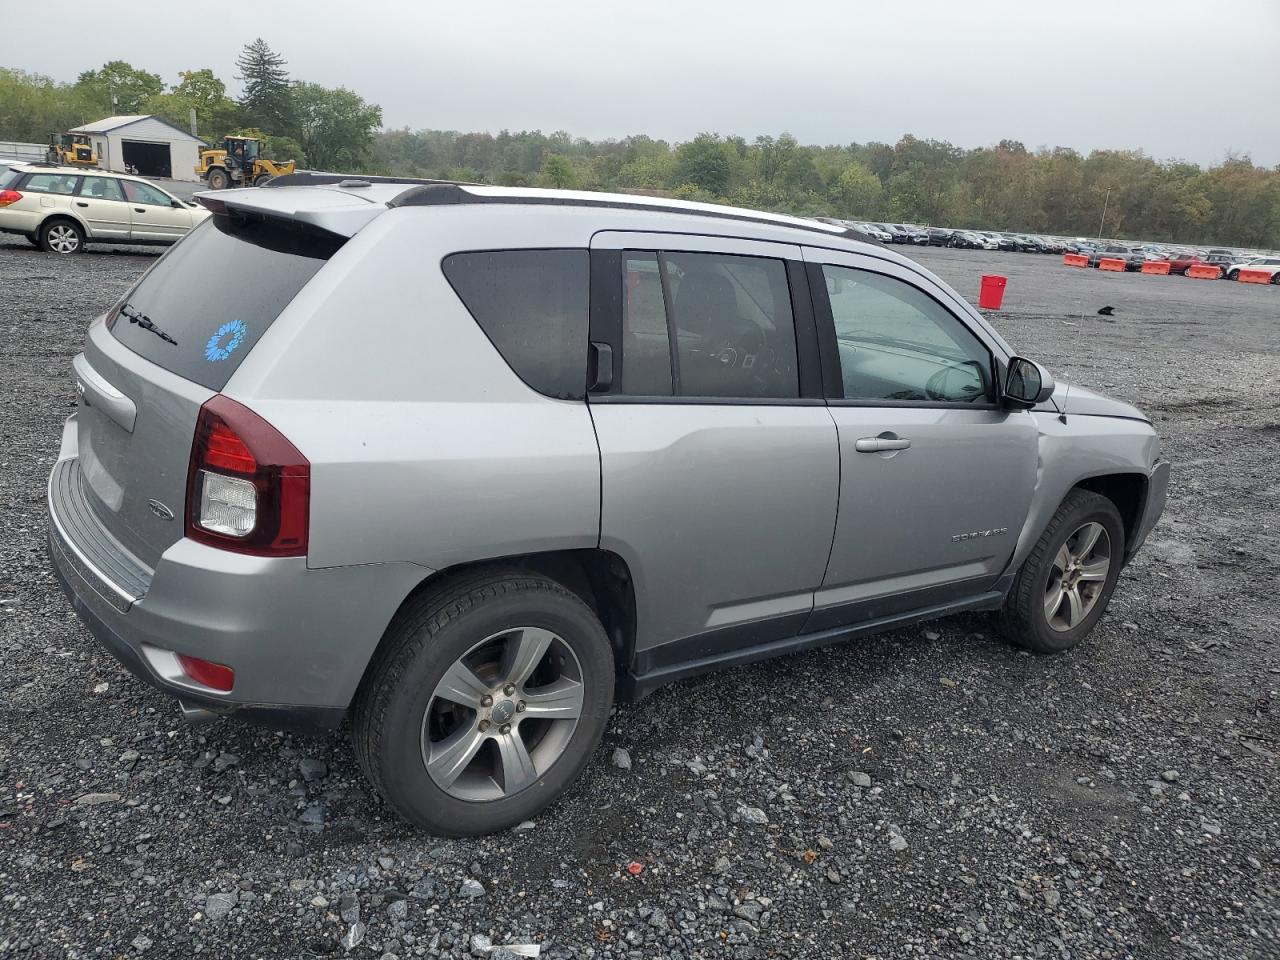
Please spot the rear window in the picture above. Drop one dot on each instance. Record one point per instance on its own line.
(532, 305)
(216, 293)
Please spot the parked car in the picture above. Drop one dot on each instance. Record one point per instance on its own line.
(60, 209)
(875, 231)
(462, 464)
(1114, 251)
(939, 237)
(1180, 262)
(986, 240)
(1268, 265)
(1052, 245)
(897, 233)
(967, 240)
(1221, 258)
(918, 236)
(1025, 244)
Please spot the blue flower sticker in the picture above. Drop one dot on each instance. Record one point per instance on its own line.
(223, 343)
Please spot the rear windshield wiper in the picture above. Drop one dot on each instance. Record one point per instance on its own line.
(145, 322)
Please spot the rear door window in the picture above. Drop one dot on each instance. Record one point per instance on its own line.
(533, 307)
(213, 295)
(101, 188)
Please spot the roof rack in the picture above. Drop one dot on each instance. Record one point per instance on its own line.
(440, 193)
(317, 179)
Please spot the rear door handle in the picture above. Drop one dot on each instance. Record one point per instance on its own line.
(81, 203)
(139, 209)
(879, 444)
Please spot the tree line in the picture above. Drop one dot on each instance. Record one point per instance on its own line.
(1112, 193)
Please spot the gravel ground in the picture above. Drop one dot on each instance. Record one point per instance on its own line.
(927, 793)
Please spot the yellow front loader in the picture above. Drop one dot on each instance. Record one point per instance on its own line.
(239, 162)
(71, 149)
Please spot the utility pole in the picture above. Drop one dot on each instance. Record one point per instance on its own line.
(1102, 222)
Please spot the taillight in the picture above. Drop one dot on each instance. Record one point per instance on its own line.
(248, 487)
(215, 675)
(9, 196)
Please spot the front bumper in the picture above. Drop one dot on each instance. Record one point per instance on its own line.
(298, 639)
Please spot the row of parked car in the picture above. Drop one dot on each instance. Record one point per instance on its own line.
(1228, 262)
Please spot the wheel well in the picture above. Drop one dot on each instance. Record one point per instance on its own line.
(1128, 491)
(60, 217)
(600, 578)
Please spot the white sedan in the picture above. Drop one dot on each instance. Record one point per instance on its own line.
(1269, 265)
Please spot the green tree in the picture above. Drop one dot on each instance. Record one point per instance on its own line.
(265, 93)
(199, 90)
(335, 127)
(33, 106)
(118, 88)
(704, 162)
(558, 172)
(857, 193)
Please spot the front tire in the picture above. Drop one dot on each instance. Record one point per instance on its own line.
(488, 697)
(61, 237)
(1064, 585)
(218, 179)
(1233, 275)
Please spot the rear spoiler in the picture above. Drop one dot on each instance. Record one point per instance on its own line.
(342, 220)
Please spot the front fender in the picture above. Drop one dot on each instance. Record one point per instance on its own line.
(1071, 452)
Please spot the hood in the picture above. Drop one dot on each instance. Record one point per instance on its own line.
(1069, 398)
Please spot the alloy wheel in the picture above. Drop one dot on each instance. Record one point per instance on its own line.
(502, 714)
(63, 238)
(1078, 577)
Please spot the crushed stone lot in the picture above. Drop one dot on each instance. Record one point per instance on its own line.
(932, 792)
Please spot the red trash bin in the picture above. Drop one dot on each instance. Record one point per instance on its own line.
(991, 294)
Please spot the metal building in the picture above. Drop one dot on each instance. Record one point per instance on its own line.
(154, 147)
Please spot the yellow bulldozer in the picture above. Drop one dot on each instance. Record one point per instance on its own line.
(238, 162)
(71, 149)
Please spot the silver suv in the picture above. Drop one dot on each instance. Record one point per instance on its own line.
(462, 464)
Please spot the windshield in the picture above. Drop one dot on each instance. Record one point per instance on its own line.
(201, 309)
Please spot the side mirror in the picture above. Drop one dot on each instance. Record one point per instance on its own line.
(1027, 383)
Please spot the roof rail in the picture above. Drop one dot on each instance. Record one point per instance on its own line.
(317, 179)
(437, 193)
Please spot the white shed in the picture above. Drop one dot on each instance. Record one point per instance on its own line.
(153, 147)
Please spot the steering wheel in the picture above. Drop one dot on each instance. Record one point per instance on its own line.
(743, 351)
(935, 387)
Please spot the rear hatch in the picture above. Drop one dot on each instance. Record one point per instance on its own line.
(173, 342)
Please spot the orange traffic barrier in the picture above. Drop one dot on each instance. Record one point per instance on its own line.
(1156, 266)
(1254, 276)
(1202, 271)
(1110, 263)
(1075, 260)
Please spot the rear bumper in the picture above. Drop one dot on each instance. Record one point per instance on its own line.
(298, 639)
(1152, 508)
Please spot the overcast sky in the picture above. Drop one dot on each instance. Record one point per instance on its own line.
(1190, 80)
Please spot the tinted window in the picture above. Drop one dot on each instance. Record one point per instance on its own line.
(145, 193)
(532, 304)
(898, 343)
(731, 318)
(7, 176)
(216, 293)
(63, 183)
(101, 188)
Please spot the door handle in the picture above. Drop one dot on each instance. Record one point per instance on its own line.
(139, 209)
(880, 444)
(81, 203)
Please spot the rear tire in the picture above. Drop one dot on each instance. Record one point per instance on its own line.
(1039, 612)
(1233, 275)
(61, 237)
(447, 633)
(218, 179)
